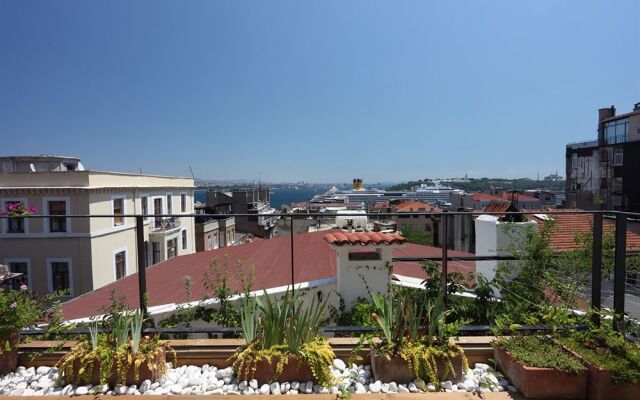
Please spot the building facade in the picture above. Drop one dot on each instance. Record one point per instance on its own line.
(602, 173)
(63, 252)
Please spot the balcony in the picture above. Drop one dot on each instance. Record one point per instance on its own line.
(164, 226)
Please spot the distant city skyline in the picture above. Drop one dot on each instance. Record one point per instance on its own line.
(293, 91)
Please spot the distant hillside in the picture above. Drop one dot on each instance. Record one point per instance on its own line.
(475, 185)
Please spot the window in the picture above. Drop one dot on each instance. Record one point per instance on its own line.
(144, 205)
(155, 250)
(118, 211)
(183, 202)
(616, 131)
(574, 160)
(209, 242)
(172, 248)
(169, 204)
(15, 224)
(121, 264)
(20, 267)
(57, 207)
(184, 240)
(618, 157)
(60, 276)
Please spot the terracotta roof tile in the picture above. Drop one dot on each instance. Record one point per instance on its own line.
(340, 238)
(416, 206)
(567, 226)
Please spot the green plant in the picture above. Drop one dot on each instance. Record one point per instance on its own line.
(607, 349)
(116, 352)
(24, 309)
(283, 329)
(541, 352)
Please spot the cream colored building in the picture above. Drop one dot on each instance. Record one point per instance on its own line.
(83, 254)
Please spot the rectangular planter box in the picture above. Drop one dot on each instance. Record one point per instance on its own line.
(397, 369)
(294, 370)
(144, 372)
(541, 383)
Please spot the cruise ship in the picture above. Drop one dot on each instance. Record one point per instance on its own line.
(434, 194)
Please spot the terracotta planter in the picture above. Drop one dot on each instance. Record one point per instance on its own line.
(143, 372)
(601, 386)
(9, 358)
(541, 383)
(294, 370)
(397, 369)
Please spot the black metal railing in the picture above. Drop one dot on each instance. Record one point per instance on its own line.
(620, 283)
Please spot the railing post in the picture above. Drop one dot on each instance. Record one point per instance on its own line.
(292, 264)
(142, 273)
(596, 269)
(445, 255)
(620, 274)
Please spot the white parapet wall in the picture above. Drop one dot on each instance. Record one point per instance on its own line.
(497, 238)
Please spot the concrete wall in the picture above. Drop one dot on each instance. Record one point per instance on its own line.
(496, 238)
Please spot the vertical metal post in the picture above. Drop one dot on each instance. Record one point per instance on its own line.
(292, 264)
(596, 268)
(142, 273)
(445, 255)
(620, 274)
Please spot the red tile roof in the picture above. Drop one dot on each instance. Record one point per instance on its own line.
(485, 196)
(567, 226)
(497, 206)
(416, 206)
(518, 197)
(340, 238)
(314, 260)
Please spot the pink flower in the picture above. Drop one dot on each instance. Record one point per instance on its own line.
(13, 305)
(24, 287)
(32, 209)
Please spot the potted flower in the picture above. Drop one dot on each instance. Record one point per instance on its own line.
(414, 340)
(19, 308)
(283, 341)
(613, 362)
(119, 356)
(540, 368)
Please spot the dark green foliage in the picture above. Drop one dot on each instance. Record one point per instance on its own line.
(609, 350)
(417, 236)
(541, 352)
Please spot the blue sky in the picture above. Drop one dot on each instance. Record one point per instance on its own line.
(318, 91)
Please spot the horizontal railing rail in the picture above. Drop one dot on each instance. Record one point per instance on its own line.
(620, 285)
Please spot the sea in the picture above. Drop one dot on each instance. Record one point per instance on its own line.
(279, 196)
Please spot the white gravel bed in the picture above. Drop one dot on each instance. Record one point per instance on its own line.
(209, 380)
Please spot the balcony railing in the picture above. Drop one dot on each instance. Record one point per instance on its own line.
(165, 224)
(621, 287)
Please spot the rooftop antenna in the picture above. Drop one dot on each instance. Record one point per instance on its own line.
(190, 170)
(140, 168)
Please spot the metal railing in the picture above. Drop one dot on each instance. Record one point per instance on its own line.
(620, 283)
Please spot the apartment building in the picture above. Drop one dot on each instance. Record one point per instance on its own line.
(254, 201)
(602, 173)
(83, 254)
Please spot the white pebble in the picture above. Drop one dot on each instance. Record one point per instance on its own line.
(339, 364)
(264, 389)
(275, 388)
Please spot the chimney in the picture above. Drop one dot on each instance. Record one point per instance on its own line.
(605, 113)
(636, 107)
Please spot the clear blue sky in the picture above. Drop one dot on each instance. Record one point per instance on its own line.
(316, 91)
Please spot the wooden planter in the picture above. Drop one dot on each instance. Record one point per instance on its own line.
(541, 383)
(144, 372)
(9, 358)
(396, 369)
(294, 370)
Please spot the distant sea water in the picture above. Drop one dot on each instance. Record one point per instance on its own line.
(278, 196)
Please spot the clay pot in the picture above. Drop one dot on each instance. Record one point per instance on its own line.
(294, 370)
(9, 358)
(541, 383)
(396, 369)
